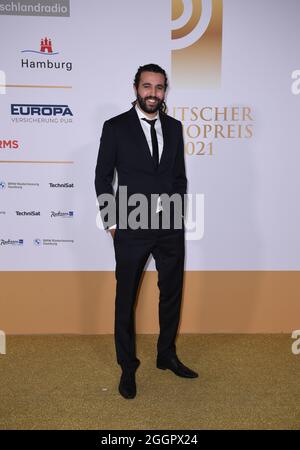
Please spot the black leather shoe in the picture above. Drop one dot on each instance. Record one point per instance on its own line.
(176, 366)
(127, 386)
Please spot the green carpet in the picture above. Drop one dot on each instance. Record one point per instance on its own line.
(71, 382)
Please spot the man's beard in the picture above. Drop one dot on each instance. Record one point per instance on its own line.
(149, 108)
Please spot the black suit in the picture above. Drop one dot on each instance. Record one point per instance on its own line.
(124, 147)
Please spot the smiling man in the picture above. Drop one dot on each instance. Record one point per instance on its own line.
(145, 146)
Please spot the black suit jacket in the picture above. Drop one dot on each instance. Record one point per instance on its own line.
(123, 146)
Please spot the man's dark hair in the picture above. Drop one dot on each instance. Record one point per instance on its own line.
(151, 68)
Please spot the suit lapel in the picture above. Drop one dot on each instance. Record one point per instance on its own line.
(139, 136)
(167, 141)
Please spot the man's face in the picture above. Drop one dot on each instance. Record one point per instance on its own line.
(151, 91)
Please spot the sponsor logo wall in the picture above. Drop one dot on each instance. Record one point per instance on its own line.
(234, 85)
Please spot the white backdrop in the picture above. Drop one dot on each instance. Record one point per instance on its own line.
(250, 184)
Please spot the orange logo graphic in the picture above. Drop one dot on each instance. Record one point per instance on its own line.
(196, 43)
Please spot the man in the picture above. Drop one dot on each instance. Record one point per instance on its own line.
(145, 146)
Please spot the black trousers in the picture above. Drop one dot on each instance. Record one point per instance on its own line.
(132, 249)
